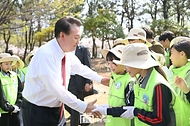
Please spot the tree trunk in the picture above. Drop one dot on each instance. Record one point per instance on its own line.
(94, 48)
(6, 38)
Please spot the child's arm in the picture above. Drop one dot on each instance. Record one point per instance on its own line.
(182, 84)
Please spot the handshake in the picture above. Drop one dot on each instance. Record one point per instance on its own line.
(99, 110)
(124, 112)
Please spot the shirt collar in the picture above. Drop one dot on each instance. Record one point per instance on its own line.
(6, 73)
(59, 51)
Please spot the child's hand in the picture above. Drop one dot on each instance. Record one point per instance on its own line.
(181, 83)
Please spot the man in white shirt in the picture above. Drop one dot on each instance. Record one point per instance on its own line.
(43, 91)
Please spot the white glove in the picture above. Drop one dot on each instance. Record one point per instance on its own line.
(129, 113)
(16, 109)
(101, 108)
(103, 105)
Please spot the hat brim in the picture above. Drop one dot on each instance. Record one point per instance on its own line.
(144, 64)
(27, 59)
(8, 59)
(120, 42)
(134, 37)
(21, 64)
(106, 51)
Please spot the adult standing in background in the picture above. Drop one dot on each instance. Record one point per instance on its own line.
(156, 46)
(44, 92)
(78, 84)
(165, 38)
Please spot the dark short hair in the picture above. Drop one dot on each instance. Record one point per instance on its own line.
(167, 35)
(149, 33)
(63, 25)
(10, 52)
(110, 57)
(184, 46)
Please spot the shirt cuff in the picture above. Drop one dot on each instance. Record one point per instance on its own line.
(109, 111)
(99, 79)
(81, 106)
(135, 112)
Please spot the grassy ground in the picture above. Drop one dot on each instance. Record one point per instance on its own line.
(99, 65)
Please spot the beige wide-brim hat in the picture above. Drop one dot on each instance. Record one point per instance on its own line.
(136, 55)
(116, 51)
(27, 59)
(6, 57)
(178, 39)
(138, 33)
(120, 41)
(21, 63)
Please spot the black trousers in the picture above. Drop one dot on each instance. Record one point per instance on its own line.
(34, 115)
(10, 119)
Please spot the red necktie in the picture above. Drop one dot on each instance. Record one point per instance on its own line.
(64, 83)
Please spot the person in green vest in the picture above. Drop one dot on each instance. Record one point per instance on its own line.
(17, 67)
(153, 95)
(165, 39)
(180, 53)
(118, 82)
(10, 92)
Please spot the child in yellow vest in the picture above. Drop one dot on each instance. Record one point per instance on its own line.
(10, 92)
(17, 67)
(180, 53)
(180, 57)
(118, 83)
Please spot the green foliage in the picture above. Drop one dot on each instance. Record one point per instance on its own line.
(103, 24)
(159, 26)
(45, 35)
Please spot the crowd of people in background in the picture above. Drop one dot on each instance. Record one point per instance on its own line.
(149, 80)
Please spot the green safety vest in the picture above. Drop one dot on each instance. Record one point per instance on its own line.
(19, 72)
(143, 97)
(167, 56)
(182, 71)
(182, 106)
(116, 98)
(25, 69)
(10, 88)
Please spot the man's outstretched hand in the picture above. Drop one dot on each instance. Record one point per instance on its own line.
(105, 81)
(90, 106)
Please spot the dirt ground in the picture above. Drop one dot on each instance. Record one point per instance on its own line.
(100, 66)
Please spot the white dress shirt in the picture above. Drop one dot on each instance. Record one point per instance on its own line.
(43, 83)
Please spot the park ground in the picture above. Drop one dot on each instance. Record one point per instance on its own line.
(100, 66)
